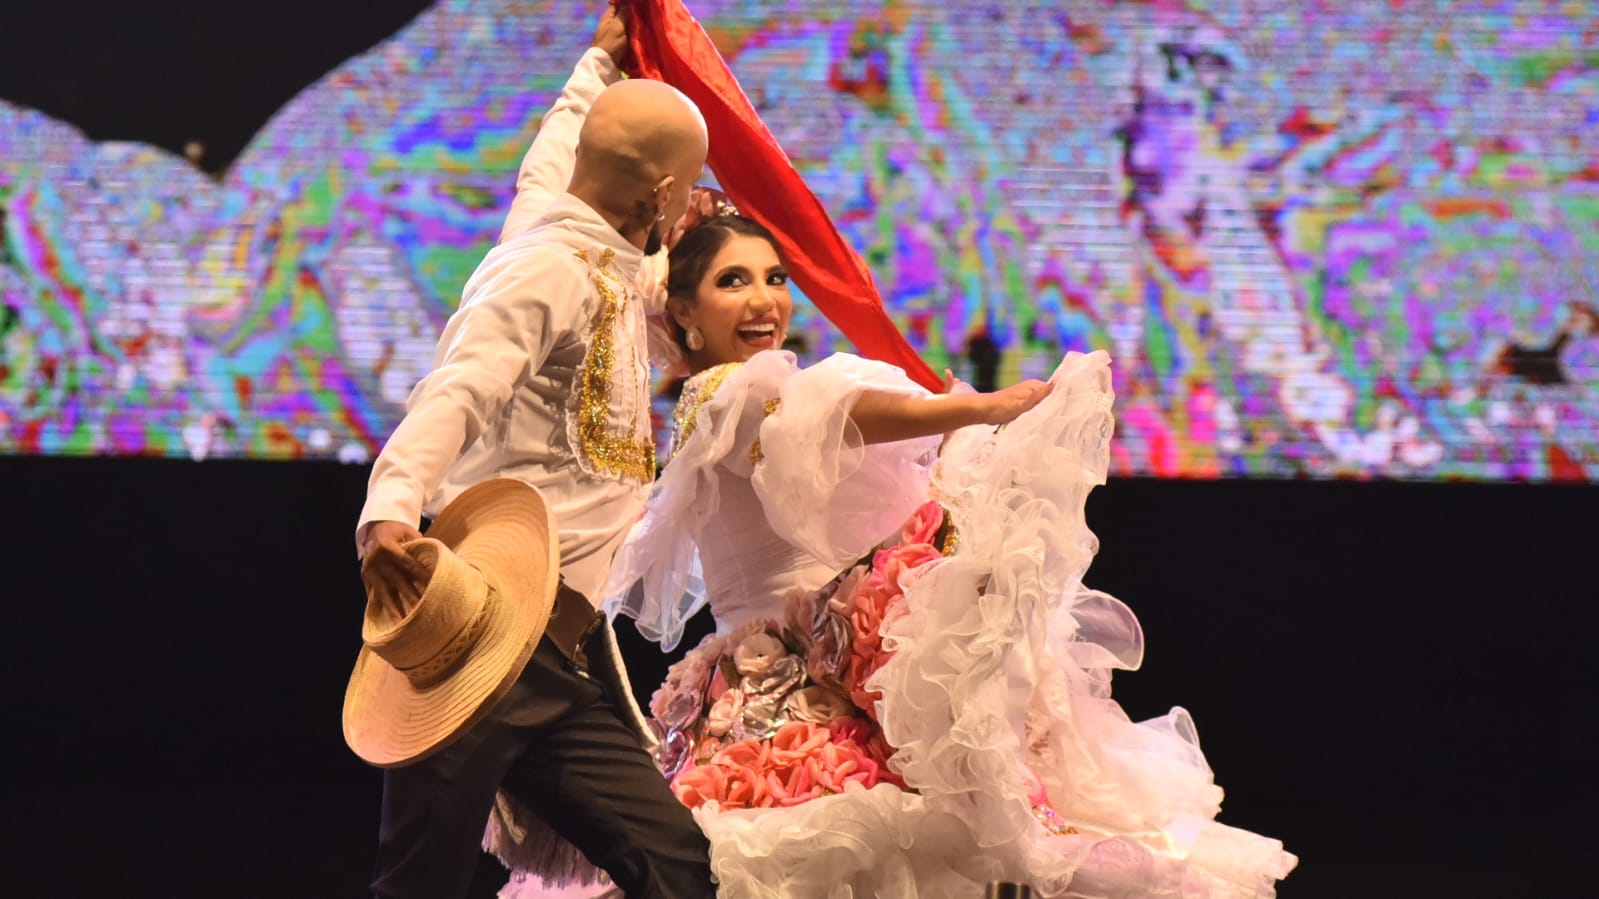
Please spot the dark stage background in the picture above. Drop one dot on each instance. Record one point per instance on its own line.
(1395, 678)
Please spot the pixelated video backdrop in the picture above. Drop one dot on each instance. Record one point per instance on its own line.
(1320, 238)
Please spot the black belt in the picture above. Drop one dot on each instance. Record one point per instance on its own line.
(573, 621)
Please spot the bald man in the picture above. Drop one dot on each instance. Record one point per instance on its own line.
(543, 375)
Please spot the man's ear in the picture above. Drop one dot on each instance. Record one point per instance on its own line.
(663, 195)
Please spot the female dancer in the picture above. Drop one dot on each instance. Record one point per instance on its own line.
(903, 698)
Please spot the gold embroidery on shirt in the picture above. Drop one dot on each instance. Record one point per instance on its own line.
(624, 456)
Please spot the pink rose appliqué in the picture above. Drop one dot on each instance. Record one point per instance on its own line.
(701, 784)
(758, 654)
(894, 565)
(923, 524)
(796, 740)
(869, 738)
(879, 599)
(734, 778)
(726, 710)
(837, 764)
(707, 748)
(851, 729)
(794, 785)
(680, 694)
(745, 788)
(817, 705)
(800, 611)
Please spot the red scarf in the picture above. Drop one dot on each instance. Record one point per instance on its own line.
(668, 44)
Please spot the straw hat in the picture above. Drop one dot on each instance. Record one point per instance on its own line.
(424, 679)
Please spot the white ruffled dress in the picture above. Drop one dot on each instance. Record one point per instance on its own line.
(999, 678)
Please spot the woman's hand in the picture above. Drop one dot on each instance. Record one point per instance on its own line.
(1003, 406)
(885, 416)
(611, 34)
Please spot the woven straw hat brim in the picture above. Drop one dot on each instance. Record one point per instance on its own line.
(503, 529)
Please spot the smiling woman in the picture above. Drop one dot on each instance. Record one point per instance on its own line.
(728, 291)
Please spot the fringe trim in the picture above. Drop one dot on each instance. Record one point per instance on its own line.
(522, 840)
(524, 843)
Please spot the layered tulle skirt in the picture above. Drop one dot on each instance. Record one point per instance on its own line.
(940, 716)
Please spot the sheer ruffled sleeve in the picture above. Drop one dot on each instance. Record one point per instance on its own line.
(656, 577)
(821, 488)
(788, 431)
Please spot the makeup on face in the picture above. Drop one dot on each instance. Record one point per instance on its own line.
(743, 306)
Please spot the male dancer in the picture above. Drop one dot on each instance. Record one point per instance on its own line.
(542, 375)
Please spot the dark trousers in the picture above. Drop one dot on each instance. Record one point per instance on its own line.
(559, 745)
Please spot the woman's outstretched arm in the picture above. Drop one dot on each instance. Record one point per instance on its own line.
(883, 417)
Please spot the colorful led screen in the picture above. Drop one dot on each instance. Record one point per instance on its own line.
(1318, 238)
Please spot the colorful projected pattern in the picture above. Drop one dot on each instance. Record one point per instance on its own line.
(1320, 238)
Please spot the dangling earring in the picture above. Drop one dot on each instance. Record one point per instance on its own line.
(694, 339)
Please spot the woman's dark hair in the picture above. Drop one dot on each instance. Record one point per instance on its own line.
(691, 256)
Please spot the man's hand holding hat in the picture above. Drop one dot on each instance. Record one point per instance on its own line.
(392, 576)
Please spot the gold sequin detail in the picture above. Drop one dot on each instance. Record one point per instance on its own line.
(623, 456)
(951, 540)
(1052, 822)
(696, 393)
(771, 406)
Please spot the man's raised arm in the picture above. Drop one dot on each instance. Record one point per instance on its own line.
(547, 167)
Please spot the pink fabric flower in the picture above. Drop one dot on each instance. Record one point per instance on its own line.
(1036, 794)
(685, 682)
(726, 710)
(867, 736)
(817, 705)
(794, 784)
(735, 777)
(719, 684)
(701, 784)
(861, 669)
(745, 788)
(744, 754)
(803, 761)
(923, 524)
(745, 764)
(796, 740)
(837, 765)
(707, 748)
(853, 730)
(866, 610)
(758, 653)
(878, 600)
(865, 614)
(893, 565)
(800, 608)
